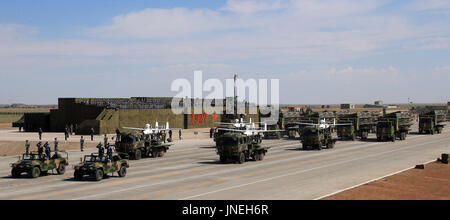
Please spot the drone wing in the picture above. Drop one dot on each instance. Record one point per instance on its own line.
(130, 128)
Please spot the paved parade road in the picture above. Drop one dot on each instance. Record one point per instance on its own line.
(191, 170)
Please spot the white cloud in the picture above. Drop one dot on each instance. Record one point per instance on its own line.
(253, 6)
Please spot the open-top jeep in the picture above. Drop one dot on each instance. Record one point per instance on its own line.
(36, 165)
(99, 167)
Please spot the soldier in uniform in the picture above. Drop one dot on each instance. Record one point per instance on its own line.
(47, 149)
(179, 134)
(101, 150)
(105, 140)
(56, 144)
(117, 134)
(92, 134)
(40, 133)
(27, 147)
(164, 136)
(66, 133)
(109, 152)
(40, 149)
(211, 132)
(82, 144)
(170, 135)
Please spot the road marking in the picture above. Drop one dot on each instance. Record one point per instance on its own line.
(304, 171)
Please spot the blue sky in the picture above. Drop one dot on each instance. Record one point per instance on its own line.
(323, 51)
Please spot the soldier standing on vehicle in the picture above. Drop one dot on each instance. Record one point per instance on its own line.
(92, 134)
(40, 149)
(40, 134)
(56, 144)
(82, 144)
(164, 136)
(47, 149)
(109, 151)
(101, 150)
(27, 147)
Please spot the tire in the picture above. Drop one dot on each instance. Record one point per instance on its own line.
(77, 176)
(241, 158)
(122, 172)
(35, 172)
(61, 169)
(98, 175)
(256, 157)
(137, 155)
(155, 154)
(304, 147)
(15, 173)
(223, 159)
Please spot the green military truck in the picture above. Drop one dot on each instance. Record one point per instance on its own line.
(314, 137)
(99, 168)
(137, 145)
(360, 125)
(36, 165)
(239, 147)
(432, 122)
(394, 126)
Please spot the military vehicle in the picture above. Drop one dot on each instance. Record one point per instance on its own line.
(36, 165)
(139, 145)
(432, 122)
(316, 138)
(99, 167)
(241, 144)
(359, 125)
(394, 126)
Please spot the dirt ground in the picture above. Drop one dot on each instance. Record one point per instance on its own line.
(432, 183)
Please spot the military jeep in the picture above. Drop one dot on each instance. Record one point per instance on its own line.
(36, 165)
(99, 167)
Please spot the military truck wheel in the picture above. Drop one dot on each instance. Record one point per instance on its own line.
(77, 176)
(393, 138)
(99, 175)
(256, 157)
(155, 154)
(35, 172)
(122, 172)
(137, 155)
(241, 158)
(15, 173)
(261, 156)
(61, 169)
(223, 159)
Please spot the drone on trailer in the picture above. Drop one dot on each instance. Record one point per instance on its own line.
(237, 124)
(323, 124)
(149, 130)
(250, 129)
